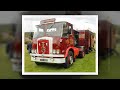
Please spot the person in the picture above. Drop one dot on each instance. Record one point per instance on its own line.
(9, 48)
(29, 47)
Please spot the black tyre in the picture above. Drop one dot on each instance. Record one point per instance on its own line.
(37, 63)
(69, 60)
(82, 54)
(87, 51)
(74, 59)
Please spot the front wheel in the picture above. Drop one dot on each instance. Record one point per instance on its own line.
(37, 63)
(69, 60)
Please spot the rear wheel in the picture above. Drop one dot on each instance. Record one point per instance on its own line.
(87, 51)
(69, 60)
(82, 54)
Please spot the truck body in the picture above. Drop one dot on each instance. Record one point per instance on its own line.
(55, 43)
(107, 40)
(86, 39)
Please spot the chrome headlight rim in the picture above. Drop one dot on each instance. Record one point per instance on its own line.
(54, 51)
(58, 51)
(34, 51)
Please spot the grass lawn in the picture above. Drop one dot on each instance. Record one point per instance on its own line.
(108, 68)
(6, 71)
(86, 64)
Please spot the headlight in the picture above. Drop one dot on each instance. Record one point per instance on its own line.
(54, 51)
(58, 51)
(34, 51)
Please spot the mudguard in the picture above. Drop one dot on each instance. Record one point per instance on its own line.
(75, 51)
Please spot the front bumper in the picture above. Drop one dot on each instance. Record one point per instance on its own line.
(48, 58)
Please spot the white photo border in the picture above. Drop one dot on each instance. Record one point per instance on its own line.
(60, 73)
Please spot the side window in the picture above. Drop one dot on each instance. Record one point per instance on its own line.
(65, 27)
(65, 30)
(70, 29)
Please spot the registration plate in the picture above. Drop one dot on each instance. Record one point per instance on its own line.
(43, 60)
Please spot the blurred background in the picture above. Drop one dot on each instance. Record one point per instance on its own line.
(11, 43)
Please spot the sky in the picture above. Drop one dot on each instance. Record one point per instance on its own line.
(80, 22)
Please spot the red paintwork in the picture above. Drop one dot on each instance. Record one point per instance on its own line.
(76, 51)
(66, 43)
(17, 47)
(85, 38)
(34, 41)
(69, 58)
(34, 44)
(56, 43)
(62, 43)
(17, 43)
(56, 39)
(82, 38)
(43, 46)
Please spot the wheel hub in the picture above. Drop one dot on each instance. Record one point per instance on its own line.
(71, 60)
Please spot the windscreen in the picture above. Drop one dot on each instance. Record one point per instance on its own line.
(39, 33)
(53, 29)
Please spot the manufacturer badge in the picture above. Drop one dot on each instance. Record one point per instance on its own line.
(43, 48)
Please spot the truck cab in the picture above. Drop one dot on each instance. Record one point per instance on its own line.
(54, 43)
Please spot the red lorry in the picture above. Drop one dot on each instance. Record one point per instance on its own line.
(16, 45)
(56, 42)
